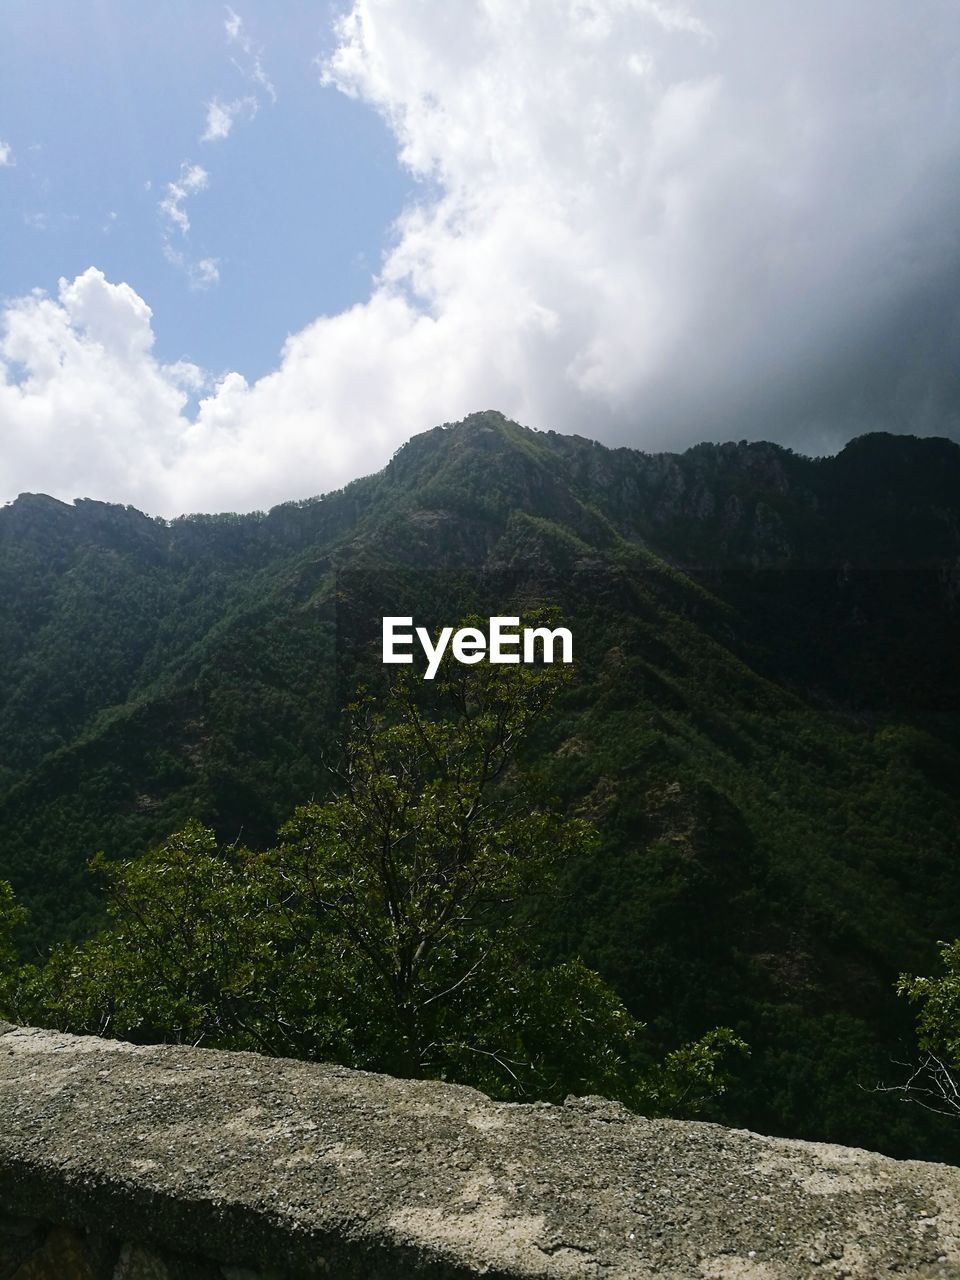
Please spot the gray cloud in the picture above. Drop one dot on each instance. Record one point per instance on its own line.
(821, 266)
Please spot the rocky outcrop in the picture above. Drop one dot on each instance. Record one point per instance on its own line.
(131, 1162)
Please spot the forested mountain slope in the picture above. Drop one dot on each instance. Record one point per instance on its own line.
(764, 723)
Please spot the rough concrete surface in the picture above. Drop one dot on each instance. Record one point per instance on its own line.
(292, 1168)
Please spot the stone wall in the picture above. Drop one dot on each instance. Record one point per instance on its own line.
(120, 1162)
(32, 1250)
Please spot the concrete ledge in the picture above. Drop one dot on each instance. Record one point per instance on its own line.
(175, 1162)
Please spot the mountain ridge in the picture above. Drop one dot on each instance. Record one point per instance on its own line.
(676, 483)
(764, 722)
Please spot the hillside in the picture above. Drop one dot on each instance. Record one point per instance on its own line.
(765, 723)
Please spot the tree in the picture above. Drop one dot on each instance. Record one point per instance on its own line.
(424, 854)
(11, 917)
(192, 954)
(934, 1080)
(385, 929)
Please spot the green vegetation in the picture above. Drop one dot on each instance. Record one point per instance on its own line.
(934, 1080)
(763, 730)
(11, 917)
(383, 930)
(939, 999)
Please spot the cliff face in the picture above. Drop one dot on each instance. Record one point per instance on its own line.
(129, 1162)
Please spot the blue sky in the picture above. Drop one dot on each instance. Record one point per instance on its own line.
(246, 252)
(103, 102)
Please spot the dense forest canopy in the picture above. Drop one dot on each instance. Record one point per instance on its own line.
(763, 725)
(388, 928)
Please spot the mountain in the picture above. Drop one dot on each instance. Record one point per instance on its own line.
(765, 721)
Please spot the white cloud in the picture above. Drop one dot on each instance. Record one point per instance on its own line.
(87, 409)
(233, 25)
(88, 397)
(201, 274)
(639, 225)
(7, 160)
(676, 229)
(222, 116)
(206, 272)
(175, 222)
(192, 180)
(250, 63)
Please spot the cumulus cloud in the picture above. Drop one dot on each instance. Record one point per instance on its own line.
(222, 116)
(7, 160)
(683, 222)
(87, 409)
(646, 221)
(84, 406)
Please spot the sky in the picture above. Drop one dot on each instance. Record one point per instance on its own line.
(247, 251)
